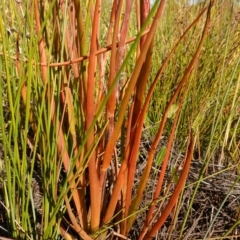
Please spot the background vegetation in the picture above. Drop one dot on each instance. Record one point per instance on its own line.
(84, 85)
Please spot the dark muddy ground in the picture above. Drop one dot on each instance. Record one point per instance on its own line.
(215, 208)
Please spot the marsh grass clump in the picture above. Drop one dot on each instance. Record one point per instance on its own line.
(116, 117)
